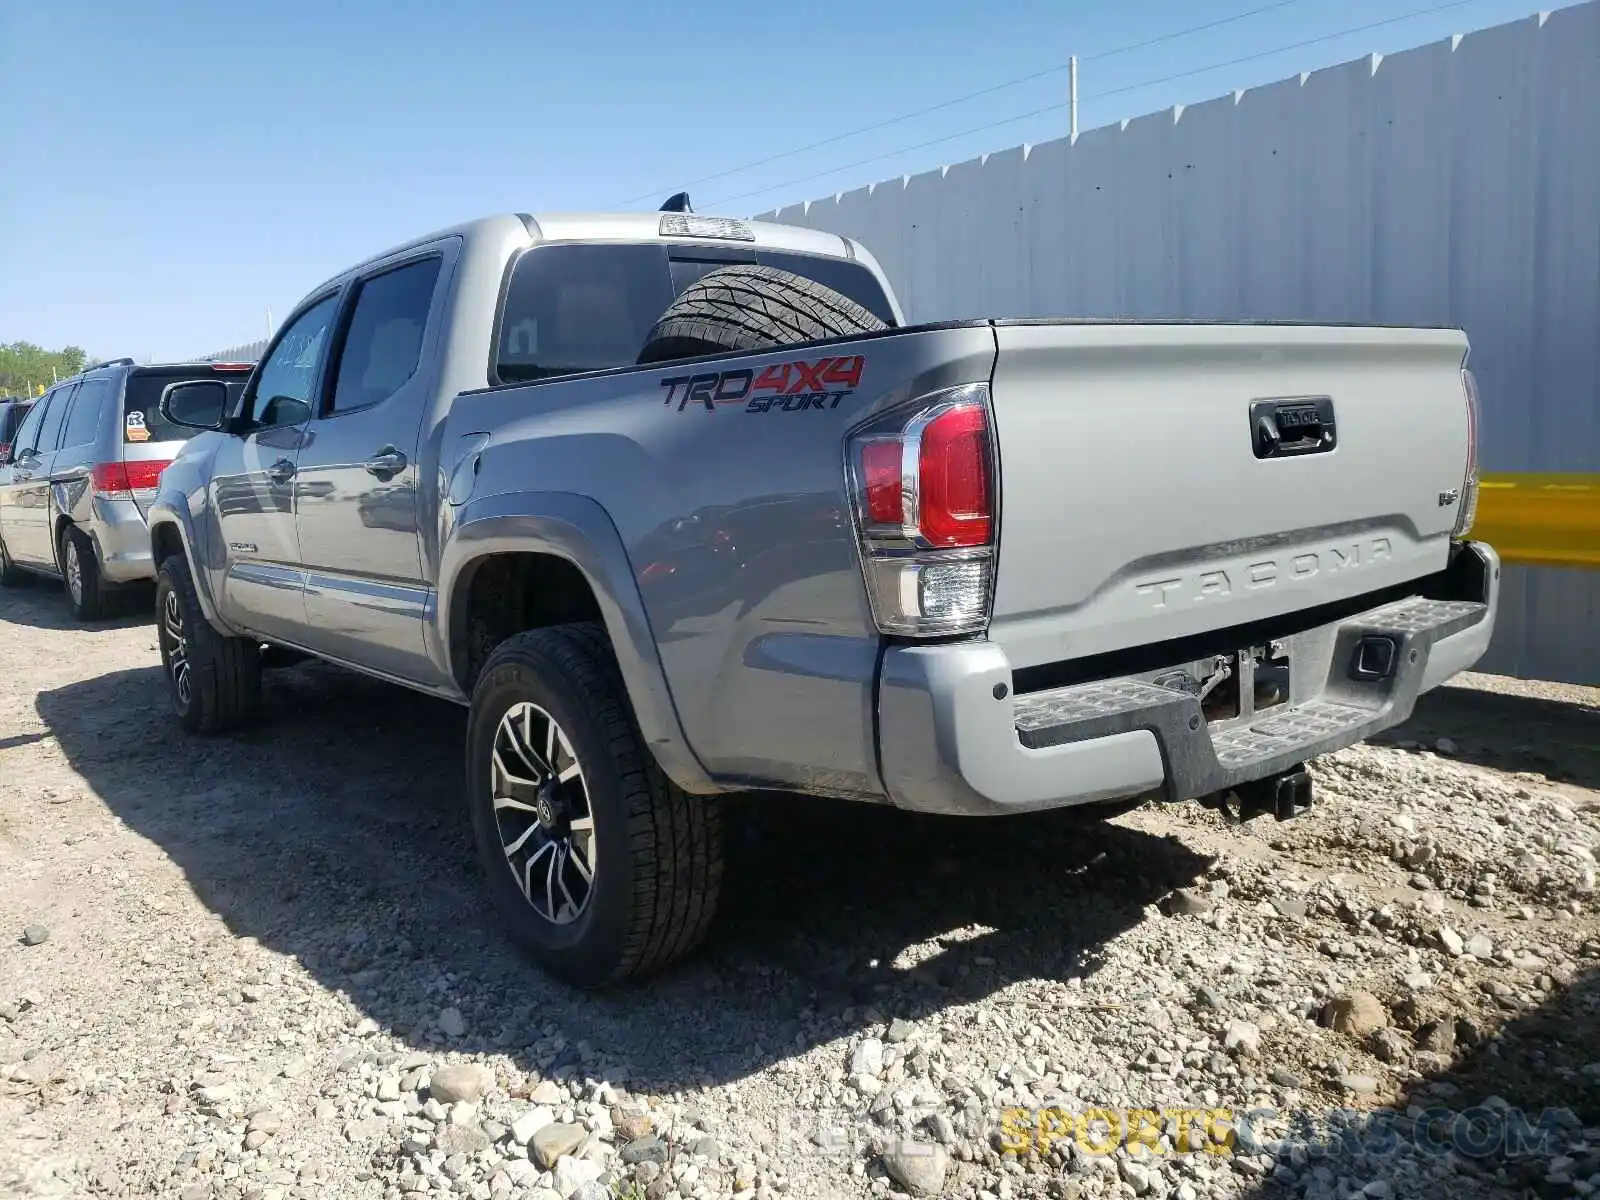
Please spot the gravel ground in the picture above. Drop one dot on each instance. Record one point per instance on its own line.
(261, 967)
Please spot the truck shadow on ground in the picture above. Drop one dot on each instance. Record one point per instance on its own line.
(1508, 732)
(1492, 1123)
(334, 832)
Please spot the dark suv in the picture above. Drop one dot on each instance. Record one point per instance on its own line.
(84, 466)
(12, 411)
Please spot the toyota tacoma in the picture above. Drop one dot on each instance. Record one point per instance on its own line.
(679, 506)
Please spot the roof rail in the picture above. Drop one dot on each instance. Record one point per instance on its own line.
(111, 362)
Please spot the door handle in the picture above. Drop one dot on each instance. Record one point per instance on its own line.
(387, 461)
(281, 471)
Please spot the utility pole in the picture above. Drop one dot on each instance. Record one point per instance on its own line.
(269, 322)
(1072, 96)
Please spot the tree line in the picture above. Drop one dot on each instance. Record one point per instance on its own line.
(26, 369)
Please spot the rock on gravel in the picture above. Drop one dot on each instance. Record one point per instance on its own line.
(553, 1141)
(918, 1165)
(1242, 1038)
(1357, 1013)
(868, 1058)
(35, 935)
(454, 1084)
(529, 1123)
(574, 1173)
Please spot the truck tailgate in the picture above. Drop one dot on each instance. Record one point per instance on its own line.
(1140, 500)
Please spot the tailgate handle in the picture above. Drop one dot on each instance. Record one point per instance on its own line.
(1283, 428)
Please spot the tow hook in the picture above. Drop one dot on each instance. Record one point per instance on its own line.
(1284, 795)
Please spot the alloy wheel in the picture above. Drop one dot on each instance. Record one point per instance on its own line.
(74, 570)
(542, 811)
(175, 647)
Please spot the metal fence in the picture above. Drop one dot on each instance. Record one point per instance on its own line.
(1455, 183)
(248, 352)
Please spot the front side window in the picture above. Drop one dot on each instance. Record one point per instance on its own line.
(83, 422)
(54, 417)
(28, 434)
(576, 308)
(384, 342)
(289, 378)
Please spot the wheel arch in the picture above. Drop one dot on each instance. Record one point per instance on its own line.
(549, 558)
(171, 536)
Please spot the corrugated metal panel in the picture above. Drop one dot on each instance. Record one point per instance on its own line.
(248, 352)
(1455, 183)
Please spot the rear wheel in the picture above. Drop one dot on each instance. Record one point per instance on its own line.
(742, 308)
(214, 680)
(80, 566)
(601, 868)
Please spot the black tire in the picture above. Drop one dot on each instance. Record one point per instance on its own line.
(224, 673)
(86, 597)
(11, 575)
(656, 852)
(743, 308)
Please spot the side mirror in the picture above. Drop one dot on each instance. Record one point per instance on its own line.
(195, 403)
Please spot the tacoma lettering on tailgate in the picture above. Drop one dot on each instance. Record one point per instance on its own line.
(1206, 585)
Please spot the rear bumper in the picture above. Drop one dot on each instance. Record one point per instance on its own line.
(954, 738)
(122, 539)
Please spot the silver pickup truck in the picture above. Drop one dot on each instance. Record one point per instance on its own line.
(680, 507)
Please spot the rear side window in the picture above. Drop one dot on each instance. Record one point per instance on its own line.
(384, 342)
(577, 308)
(83, 422)
(141, 404)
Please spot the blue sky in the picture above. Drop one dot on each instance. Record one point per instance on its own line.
(173, 169)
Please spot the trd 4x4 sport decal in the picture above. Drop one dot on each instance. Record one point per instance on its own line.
(790, 387)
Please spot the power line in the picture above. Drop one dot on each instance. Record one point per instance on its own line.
(980, 93)
(1132, 87)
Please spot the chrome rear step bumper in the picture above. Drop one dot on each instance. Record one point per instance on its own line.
(1201, 759)
(955, 738)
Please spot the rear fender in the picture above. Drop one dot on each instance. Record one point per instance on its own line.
(578, 530)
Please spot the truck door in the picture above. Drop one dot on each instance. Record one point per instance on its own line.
(357, 484)
(253, 484)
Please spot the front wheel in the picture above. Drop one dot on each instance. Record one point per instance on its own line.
(214, 680)
(601, 868)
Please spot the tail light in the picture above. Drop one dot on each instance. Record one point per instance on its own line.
(118, 480)
(923, 481)
(1469, 484)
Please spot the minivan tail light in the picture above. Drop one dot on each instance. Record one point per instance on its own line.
(923, 481)
(121, 479)
(1468, 511)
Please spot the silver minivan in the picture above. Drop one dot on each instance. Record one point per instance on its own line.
(84, 466)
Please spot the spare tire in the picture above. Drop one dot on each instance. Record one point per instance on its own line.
(742, 308)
